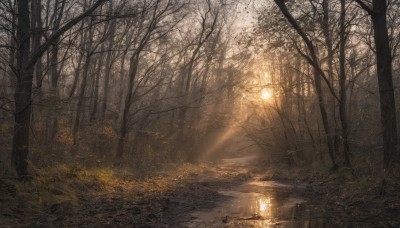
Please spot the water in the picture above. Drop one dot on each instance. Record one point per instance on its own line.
(260, 204)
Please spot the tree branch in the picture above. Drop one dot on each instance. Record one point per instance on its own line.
(42, 48)
(365, 7)
(312, 59)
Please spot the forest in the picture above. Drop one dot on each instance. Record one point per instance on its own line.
(199, 113)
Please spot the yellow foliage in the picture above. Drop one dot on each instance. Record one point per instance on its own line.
(64, 135)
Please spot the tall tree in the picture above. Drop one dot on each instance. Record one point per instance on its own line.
(108, 64)
(26, 60)
(36, 27)
(385, 78)
(319, 74)
(342, 83)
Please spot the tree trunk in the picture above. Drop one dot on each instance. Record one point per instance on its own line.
(134, 63)
(11, 59)
(79, 106)
(330, 56)
(53, 68)
(23, 92)
(324, 116)
(85, 75)
(342, 83)
(76, 75)
(54, 82)
(36, 25)
(385, 82)
(121, 82)
(93, 113)
(108, 65)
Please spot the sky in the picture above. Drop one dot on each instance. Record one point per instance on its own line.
(246, 15)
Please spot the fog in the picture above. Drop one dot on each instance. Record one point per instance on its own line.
(138, 88)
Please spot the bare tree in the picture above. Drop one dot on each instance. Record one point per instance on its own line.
(154, 13)
(385, 78)
(26, 60)
(318, 76)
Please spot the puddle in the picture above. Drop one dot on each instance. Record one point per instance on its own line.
(259, 204)
(269, 184)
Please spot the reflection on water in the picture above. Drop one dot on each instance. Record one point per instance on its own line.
(245, 206)
(264, 206)
(254, 208)
(259, 204)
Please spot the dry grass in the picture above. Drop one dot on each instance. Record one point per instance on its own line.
(72, 185)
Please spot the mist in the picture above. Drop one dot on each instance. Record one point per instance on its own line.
(141, 106)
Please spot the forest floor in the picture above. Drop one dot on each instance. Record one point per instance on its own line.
(232, 193)
(70, 196)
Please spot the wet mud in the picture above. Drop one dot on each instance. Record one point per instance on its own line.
(256, 203)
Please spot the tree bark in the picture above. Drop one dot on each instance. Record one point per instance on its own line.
(385, 81)
(11, 59)
(36, 25)
(93, 113)
(342, 84)
(128, 101)
(23, 92)
(108, 65)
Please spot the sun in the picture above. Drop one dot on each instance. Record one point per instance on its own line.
(266, 94)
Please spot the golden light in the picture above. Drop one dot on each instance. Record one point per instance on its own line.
(266, 94)
(264, 206)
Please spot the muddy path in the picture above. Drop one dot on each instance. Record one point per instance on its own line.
(225, 194)
(256, 203)
(230, 193)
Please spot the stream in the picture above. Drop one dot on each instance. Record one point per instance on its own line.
(257, 203)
